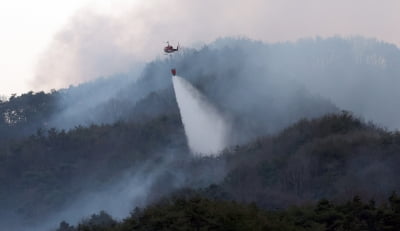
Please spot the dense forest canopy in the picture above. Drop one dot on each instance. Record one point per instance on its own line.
(301, 134)
(199, 213)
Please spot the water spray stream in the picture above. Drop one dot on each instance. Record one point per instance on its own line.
(206, 129)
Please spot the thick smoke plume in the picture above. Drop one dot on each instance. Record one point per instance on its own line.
(206, 128)
(97, 44)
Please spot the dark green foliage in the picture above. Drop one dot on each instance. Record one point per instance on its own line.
(43, 171)
(64, 226)
(198, 213)
(97, 222)
(334, 156)
(22, 115)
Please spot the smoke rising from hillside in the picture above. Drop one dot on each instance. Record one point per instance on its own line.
(269, 85)
(206, 129)
(265, 87)
(97, 44)
(135, 187)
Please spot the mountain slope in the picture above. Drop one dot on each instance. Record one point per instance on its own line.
(124, 145)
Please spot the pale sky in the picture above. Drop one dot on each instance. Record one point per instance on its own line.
(53, 43)
(26, 28)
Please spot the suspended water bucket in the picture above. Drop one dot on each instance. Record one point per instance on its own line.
(173, 71)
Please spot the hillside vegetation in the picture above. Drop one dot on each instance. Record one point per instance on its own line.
(118, 142)
(336, 156)
(197, 213)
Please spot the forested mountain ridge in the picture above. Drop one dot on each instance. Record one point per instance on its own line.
(275, 173)
(336, 156)
(63, 153)
(197, 213)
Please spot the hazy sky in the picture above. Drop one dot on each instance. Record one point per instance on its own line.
(48, 44)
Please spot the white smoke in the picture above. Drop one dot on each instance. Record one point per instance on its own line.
(206, 129)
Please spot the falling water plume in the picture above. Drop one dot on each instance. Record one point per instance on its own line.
(205, 127)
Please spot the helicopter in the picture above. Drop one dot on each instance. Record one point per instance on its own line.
(170, 49)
